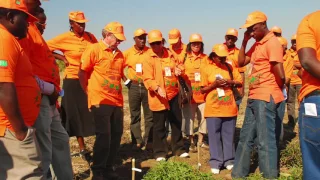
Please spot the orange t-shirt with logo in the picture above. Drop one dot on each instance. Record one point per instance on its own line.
(16, 68)
(293, 56)
(216, 106)
(40, 56)
(262, 81)
(134, 60)
(160, 72)
(287, 65)
(72, 47)
(106, 65)
(233, 57)
(308, 37)
(193, 65)
(179, 54)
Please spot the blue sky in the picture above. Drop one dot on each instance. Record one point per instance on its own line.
(210, 18)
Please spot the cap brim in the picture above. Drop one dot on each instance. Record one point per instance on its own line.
(30, 18)
(140, 34)
(120, 36)
(222, 54)
(247, 25)
(81, 21)
(154, 40)
(173, 41)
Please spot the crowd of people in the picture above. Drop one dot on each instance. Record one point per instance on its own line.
(174, 86)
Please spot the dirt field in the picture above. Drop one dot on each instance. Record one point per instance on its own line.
(144, 159)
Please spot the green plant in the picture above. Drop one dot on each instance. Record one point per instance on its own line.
(61, 65)
(291, 155)
(171, 170)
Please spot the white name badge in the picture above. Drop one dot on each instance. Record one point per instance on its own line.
(220, 92)
(197, 77)
(139, 68)
(167, 71)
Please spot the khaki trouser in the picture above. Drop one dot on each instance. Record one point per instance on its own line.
(189, 114)
(20, 159)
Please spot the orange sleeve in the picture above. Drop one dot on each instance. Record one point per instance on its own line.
(9, 56)
(236, 75)
(204, 77)
(148, 75)
(88, 58)
(288, 68)
(126, 54)
(56, 43)
(275, 50)
(306, 33)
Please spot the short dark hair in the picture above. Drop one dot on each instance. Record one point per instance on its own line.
(212, 55)
(39, 10)
(189, 48)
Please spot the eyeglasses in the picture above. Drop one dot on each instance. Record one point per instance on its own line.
(156, 43)
(42, 24)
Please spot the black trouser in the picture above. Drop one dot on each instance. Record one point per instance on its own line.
(109, 128)
(294, 91)
(138, 95)
(160, 145)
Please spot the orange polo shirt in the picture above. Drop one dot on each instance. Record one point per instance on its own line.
(308, 38)
(233, 57)
(16, 68)
(134, 59)
(293, 56)
(43, 63)
(179, 53)
(104, 86)
(72, 47)
(160, 72)
(287, 65)
(216, 106)
(193, 65)
(262, 81)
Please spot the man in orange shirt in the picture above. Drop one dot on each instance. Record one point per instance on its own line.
(266, 80)
(53, 138)
(277, 31)
(295, 82)
(41, 24)
(138, 94)
(103, 62)
(231, 38)
(19, 97)
(308, 43)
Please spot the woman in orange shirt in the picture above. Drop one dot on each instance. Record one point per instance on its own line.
(74, 106)
(218, 79)
(194, 60)
(160, 78)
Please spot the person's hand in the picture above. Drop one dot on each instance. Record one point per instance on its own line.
(247, 35)
(219, 83)
(66, 63)
(229, 82)
(54, 97)
(177, 71)
(22, 133)
(161, 92)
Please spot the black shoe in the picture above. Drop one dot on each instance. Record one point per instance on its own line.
(85, 155)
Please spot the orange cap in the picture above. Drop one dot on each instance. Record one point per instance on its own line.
(78, 16)
(283, 41)
(294, 37)
(19, 5)
(221, 50)
(195, 38)
(232, 32)
(154, 36)
(254, 18)
(174, 35)
(276, 29)
(139, 32)
(116, 29)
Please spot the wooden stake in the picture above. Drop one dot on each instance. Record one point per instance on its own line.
(199, 164)
(133, 167)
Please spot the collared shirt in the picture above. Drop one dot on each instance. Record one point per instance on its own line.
(308, 37)
(193, 65)
(134, 60)
(180, 53)
(15, 67)
(104, 86)
(262, 81)
(233, 58)
(292, 55)
(72, 47)
(224, 106)
(160, 72)
(43, 63)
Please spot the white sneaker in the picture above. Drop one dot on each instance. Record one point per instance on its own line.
(229, 167)
(160, 159)
(215, 171)
(184, 155)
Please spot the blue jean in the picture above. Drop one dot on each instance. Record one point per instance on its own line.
(221, 135)
(259, 123)
(281, 108)
(309, 127)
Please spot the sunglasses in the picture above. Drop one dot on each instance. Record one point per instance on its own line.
(156, 43)
(42, 24)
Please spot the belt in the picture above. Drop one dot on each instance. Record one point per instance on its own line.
(137, 83)
(314, 93)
